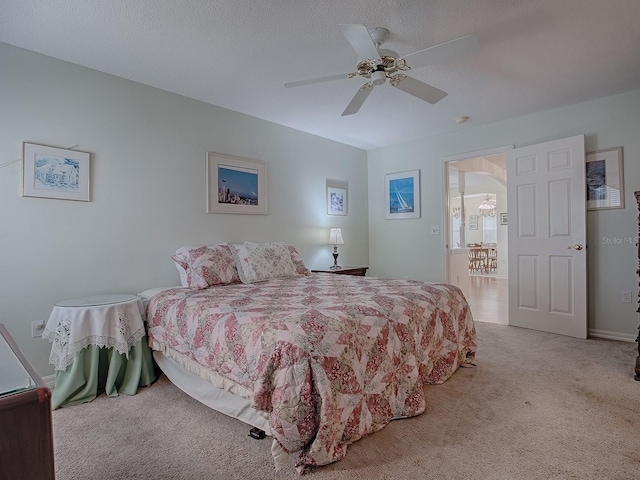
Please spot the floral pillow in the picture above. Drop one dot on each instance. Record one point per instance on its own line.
(202, 267)
(260, 261)
(301, 268)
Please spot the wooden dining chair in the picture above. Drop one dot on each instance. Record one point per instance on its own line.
(492, 260)
(477, 260)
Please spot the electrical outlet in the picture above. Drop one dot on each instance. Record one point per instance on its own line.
(625, 296)
(37, 328)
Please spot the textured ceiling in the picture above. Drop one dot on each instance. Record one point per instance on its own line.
(535, 55)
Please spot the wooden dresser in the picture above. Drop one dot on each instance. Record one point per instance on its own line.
(26, 435)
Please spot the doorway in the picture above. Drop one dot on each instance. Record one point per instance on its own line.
(477, 226)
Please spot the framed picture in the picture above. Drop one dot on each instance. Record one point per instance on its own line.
(236, 185)
(402, 195)
(473, 226)
(605, 187)
(50, 172)
(336, 201)
(503, 219)
(473, 218)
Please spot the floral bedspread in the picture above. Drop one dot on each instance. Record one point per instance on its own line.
(330, 358)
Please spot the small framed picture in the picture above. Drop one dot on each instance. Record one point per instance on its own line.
(503, 219)
(50, 172)
(473, 218)
(336, 201)
(605, 187)
(473, 226)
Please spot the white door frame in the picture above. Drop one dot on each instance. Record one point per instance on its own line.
(444, 161)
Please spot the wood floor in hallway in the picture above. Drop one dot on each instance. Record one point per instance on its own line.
(489, 299)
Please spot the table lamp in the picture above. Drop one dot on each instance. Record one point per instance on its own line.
(335, 239)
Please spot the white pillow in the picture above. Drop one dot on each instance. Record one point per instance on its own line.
(260, 261)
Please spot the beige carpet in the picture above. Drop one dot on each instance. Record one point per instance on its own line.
(538, 406)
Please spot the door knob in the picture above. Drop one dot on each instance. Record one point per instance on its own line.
(578, 246)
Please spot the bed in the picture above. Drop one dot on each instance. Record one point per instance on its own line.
(315, 360)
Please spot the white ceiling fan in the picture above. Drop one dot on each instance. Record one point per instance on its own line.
(377, 65)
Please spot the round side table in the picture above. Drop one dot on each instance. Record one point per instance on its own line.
(98, 344)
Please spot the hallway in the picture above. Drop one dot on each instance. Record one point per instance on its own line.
(489, 299)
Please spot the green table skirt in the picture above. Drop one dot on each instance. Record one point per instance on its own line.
(95, 370)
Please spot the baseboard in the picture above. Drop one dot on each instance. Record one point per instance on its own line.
(623, 337)
(50, 380)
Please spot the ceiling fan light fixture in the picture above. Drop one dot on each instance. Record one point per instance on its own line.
(376, 64)
(378, 77)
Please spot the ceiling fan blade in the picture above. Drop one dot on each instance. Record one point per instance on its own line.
(358, 99)
(443, 52)
(420, 89)
(360, 39)
(330, 78)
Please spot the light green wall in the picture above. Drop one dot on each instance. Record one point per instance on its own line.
(148, 188)
(401, 248)
(148, 191)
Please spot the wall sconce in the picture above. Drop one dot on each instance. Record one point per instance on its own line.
(335, 239)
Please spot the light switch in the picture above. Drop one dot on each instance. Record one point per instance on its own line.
(435, 230)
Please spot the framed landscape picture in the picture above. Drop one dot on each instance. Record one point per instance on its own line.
(236, 185)
(50, 172)
(402, 195)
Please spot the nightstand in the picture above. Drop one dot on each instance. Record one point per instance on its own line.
(357, 271)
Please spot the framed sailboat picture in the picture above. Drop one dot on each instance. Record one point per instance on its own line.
(402, 195)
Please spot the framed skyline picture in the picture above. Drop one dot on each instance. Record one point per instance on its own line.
(50, 172)
(236, 185)
(605, 187)
(336, 201)
(402, 195)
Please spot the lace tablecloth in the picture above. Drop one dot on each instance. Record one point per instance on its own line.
(111, 321)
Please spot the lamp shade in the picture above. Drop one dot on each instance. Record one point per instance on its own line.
(335, 237)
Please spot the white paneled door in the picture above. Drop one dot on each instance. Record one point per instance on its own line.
(547, 237)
